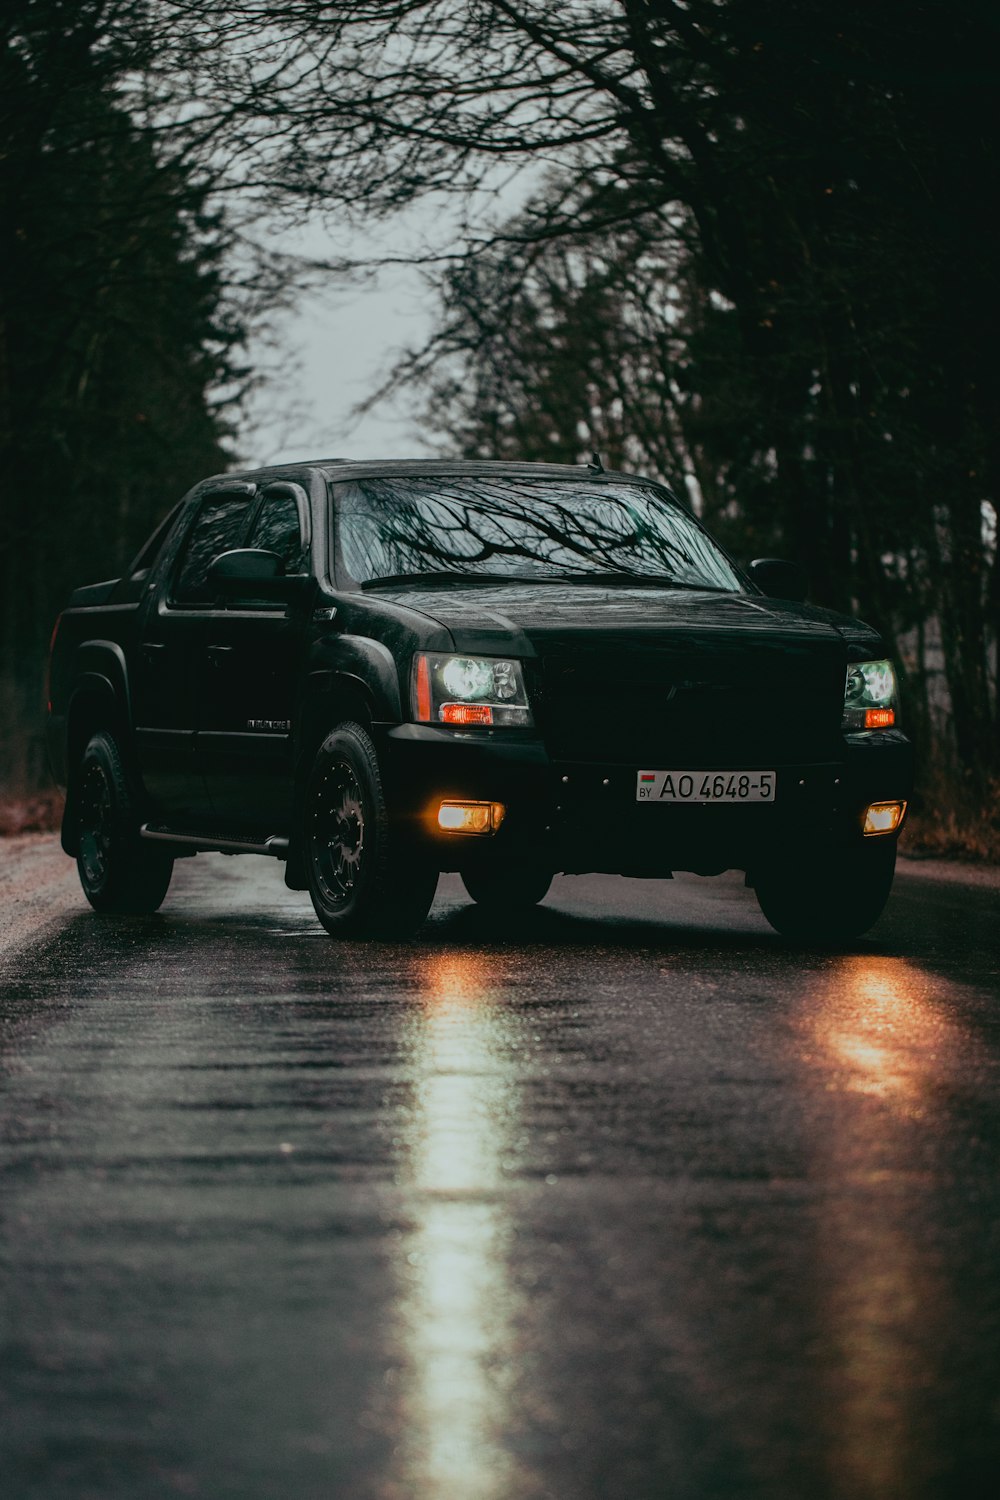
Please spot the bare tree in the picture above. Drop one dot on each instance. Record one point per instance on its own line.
(808, 179)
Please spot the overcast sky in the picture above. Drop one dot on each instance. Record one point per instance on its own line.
(336, 348)
(339, 345)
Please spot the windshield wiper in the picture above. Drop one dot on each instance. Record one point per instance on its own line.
(442, 575)
(622, 580)
(640, 581)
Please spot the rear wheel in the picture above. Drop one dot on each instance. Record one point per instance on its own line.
(837, 899)
(506, 887)
(118, 872)
(365, 880)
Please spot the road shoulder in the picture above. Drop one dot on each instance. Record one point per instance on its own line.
(948, 871)
(37, 885)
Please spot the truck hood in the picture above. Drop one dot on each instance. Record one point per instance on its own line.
(532, 619)
(662, 677)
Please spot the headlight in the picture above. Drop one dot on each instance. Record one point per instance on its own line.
(870, 696)
(472, 690)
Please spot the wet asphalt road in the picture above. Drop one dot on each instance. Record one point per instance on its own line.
(624, 1200)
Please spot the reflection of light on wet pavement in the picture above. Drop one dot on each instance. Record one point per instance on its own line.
(880, 1023)
(457, 1304)
(883, 1037)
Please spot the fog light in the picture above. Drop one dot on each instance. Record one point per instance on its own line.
(884, 817)
(470, 817)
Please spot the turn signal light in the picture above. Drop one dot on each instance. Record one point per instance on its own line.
(880, 718)
(884, 817)
(470, 817)
(466, 713)
(423, 689)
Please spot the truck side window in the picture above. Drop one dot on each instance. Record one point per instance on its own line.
(218, 529)
(277, 530)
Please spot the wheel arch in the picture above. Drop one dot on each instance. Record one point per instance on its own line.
(97, 702)
(332, 698)
(351, 678)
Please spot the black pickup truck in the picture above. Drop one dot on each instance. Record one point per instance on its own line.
(378, 671)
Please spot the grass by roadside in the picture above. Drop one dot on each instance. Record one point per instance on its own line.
(38, 813)
(948, 822)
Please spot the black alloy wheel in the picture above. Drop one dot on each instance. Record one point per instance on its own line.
(339, 825)
(365, 879)
(118, 872)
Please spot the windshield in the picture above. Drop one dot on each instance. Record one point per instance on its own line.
(522, 529)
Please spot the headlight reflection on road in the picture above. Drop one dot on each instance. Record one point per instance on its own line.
(883, 1039)
(458, 1305)
(882, 1030)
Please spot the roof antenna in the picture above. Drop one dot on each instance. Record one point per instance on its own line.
(595, 466)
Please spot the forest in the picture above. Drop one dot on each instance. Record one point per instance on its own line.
(752, 252)
(118, 346)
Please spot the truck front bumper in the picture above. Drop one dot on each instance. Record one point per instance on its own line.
(583, 816)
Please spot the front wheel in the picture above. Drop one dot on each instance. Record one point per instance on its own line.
(118, 872)
(828, 898)
(364, 879)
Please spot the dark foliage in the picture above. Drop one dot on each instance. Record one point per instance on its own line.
(113, 337)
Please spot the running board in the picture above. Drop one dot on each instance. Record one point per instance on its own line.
(272, 844)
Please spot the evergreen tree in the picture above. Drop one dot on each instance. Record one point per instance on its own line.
(114, 336)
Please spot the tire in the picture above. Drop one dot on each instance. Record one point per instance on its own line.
(506, 887)
(118, 872)
(841, 898)
(364, 879)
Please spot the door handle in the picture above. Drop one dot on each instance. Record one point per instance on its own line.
(218, 654)
(150, 649)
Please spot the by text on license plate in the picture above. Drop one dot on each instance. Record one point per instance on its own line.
(705, 786)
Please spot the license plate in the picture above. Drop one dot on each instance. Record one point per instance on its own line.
(705, 786)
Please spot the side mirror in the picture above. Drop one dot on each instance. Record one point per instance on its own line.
(779, 579)
(253, 573)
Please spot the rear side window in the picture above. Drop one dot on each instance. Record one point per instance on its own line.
(218, 529)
